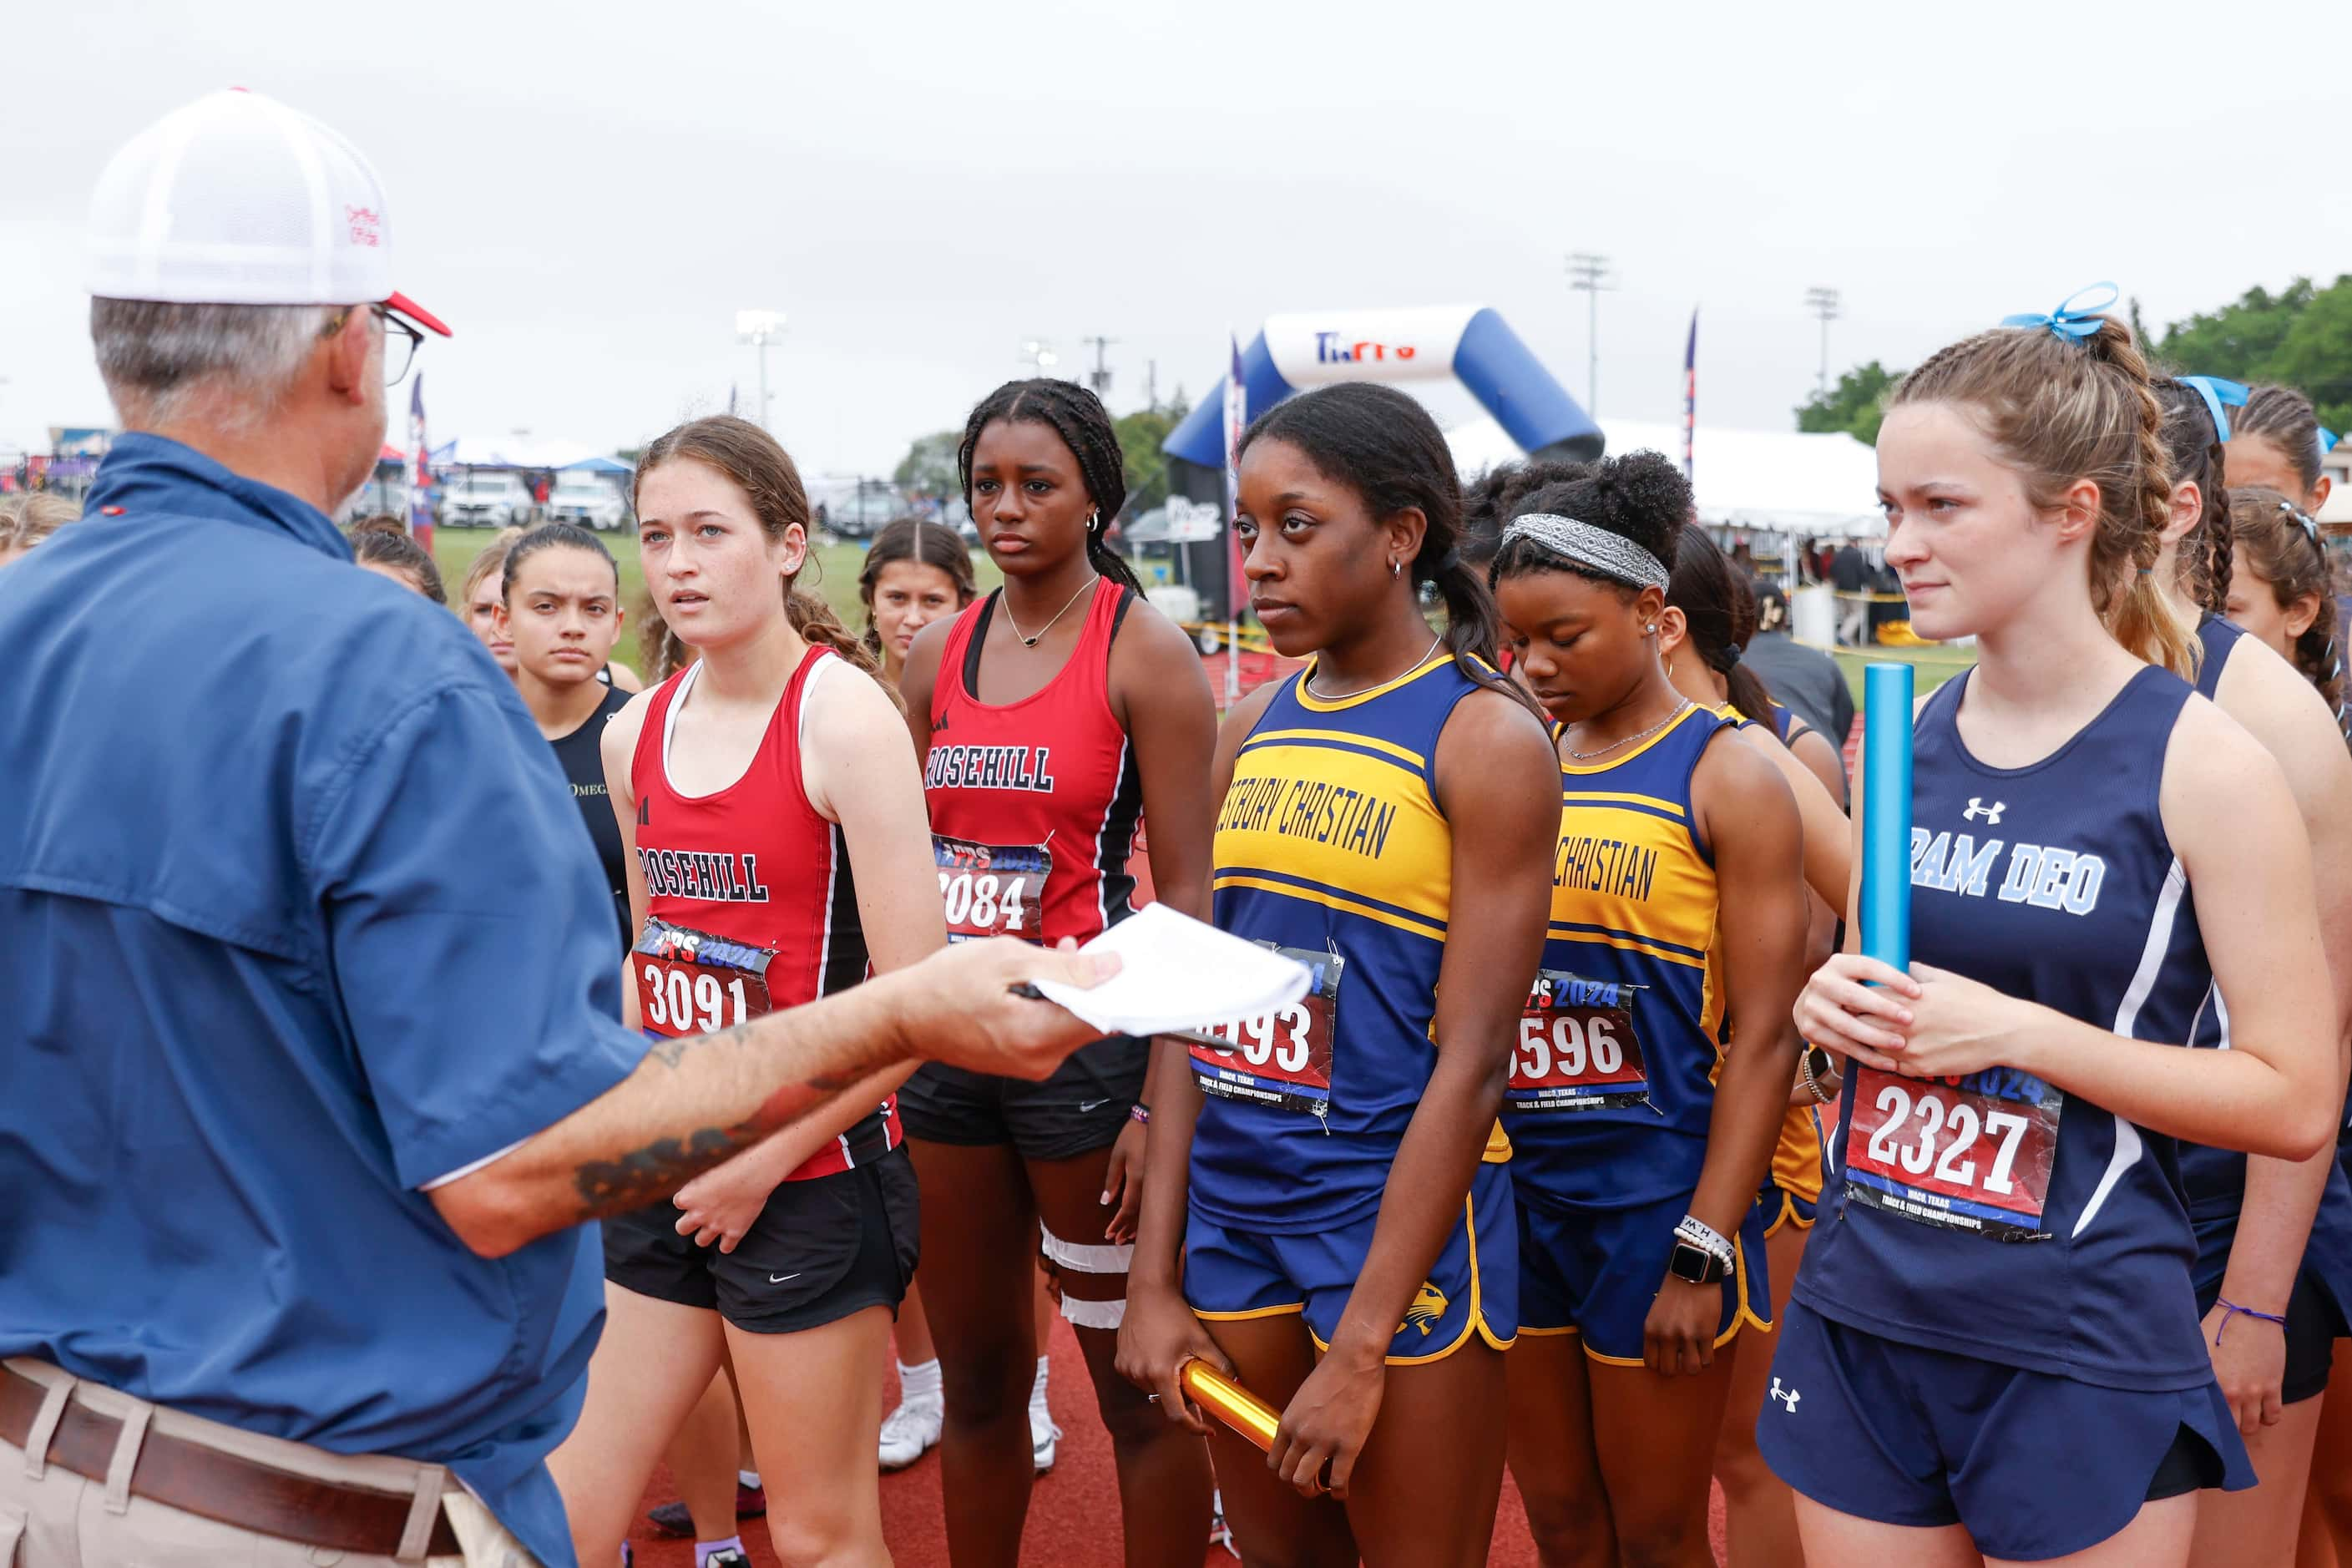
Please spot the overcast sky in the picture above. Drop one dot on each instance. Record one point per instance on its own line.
(587, 193)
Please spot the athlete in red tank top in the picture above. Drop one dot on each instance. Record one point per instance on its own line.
(1033, 804)
(742, 791)
(789, 933)
(1052, 717)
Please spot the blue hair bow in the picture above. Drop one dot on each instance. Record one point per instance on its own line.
(2328, 439)
(2217, 392)
(2073, 319)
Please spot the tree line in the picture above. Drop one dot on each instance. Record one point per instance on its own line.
(2299, 337)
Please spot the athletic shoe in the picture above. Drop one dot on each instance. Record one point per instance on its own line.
(672, 1522)
(1043, 1436)
(730, 1558)
(911, 1431)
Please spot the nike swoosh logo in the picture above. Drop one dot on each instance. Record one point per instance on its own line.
(779, 1278)
(1087, 1105)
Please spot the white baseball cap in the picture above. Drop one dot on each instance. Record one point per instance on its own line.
(238, 200)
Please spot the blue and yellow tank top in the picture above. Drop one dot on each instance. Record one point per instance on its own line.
(1330, 847)
(1611, 1082)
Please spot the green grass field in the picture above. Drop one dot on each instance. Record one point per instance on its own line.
(834, 574)
(1936, 664)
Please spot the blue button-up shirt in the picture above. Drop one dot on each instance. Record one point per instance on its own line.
(297, 915)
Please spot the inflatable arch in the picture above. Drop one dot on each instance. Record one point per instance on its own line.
(1467, 344)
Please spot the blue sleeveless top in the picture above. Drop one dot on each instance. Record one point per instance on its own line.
(1994, 1217)
(1612, 1083)
(1330, 847)
(2215, 1179)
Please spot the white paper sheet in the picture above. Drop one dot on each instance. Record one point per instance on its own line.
(1178, 973)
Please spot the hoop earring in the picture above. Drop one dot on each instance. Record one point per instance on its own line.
(1393, 568)
(1094, 522)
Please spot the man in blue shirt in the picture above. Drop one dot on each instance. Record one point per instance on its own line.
(312, 1063)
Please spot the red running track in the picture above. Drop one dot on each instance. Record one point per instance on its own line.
(1073, 1512)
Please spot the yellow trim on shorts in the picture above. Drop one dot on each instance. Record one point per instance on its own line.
(1744, 1312)
(1788, 1211)
(1476, 1321)
(1252, 1313)
(1527, 1333)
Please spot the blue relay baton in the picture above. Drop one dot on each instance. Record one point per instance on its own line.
(1886, 814)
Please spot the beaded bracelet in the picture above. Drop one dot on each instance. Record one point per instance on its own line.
(1139, 1112)
(2231, 1310)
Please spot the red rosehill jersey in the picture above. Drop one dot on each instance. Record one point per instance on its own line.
(1033, 804)
(749, 903)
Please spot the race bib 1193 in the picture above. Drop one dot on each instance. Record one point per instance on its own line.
(1972, 1153)
(1281, 1059)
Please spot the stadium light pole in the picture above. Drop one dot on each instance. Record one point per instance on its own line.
(1825, 303)
(1039, 355)
(760, 328)
(1588, 274)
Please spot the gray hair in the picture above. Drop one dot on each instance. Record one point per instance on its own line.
(158, 359)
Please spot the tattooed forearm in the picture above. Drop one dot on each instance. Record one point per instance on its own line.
(669, 1053)
(654, 1173)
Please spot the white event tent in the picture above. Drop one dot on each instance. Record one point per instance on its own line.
(1806, 486)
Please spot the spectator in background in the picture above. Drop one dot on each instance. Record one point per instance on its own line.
(26, 519)
(1804, 678)
(381, 544)
(1850, 575)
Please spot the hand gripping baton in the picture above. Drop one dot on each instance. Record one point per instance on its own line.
(1237, 1407)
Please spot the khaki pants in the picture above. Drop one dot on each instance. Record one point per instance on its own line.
(52, 1517)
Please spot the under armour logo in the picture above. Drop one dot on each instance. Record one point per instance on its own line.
(1787, 1397)
(1991, 814)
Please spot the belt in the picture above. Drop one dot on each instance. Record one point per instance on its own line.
(221, 1486)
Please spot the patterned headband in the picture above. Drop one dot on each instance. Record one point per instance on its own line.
(1613, 555)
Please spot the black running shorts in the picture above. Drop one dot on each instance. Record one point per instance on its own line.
(821, 1249)
(1082, 1108)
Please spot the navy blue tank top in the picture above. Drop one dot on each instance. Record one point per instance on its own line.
(1993, 1216)
(2215, 1179)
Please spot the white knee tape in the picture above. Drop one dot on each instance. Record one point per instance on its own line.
(1094, 1314)
(1080, 1260)
(1086, 1260)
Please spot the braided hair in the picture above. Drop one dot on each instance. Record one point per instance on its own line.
(2193, 443)
(1078, 417)
(2283, 553)
(2284, 416)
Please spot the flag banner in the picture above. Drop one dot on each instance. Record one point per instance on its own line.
(1690, 395)
(420, 472)
(1236, 589)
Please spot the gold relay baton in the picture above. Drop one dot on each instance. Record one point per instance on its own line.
(1237, 1407)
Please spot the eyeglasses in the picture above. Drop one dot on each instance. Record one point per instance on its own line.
(399, 340)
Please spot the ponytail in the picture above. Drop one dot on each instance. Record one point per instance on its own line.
(2137, 610)
(1472, 637)
(818, 627)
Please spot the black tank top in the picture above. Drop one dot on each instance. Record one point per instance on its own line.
(582, 758)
